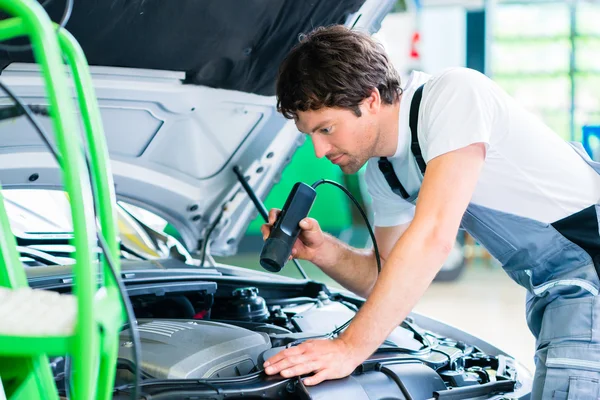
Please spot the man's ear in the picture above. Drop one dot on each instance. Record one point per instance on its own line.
(372, 103)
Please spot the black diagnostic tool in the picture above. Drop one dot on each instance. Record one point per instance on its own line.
(285, 231)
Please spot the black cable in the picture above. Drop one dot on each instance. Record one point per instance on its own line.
(364, 215)
(396, 379)
(207, 236)
(135, 336)
(131, 322)
(29, 115)
(63, 22)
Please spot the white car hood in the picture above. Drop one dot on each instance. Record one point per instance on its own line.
(173, 144)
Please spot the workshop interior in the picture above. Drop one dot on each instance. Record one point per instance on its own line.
(140, 153)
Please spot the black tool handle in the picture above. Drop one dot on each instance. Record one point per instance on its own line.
(278, 246)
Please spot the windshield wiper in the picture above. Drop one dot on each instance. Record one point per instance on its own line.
(40, 256)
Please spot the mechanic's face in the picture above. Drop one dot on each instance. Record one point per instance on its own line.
(338, 134)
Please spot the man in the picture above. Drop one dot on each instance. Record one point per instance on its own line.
(491, 167)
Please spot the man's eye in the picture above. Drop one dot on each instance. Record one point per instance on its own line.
(326, 130)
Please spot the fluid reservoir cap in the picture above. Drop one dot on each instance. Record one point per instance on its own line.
(248, 305)
(245, 292)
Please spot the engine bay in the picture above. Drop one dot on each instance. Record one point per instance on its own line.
(206, 338)
(206, 332)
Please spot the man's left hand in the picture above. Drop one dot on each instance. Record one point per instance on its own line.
(328, 358)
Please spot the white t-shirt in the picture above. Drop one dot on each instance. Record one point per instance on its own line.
(529, 170)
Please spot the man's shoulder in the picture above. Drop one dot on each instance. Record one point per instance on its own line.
(458, 73)
(459, 88)
(457, 77)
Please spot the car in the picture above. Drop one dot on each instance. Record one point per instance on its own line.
(186, 95)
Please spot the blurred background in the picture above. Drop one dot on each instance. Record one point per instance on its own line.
(546, 54)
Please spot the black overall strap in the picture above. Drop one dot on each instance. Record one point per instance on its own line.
(413, 123)
(386, 167)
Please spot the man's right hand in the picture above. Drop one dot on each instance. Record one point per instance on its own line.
(309, 241)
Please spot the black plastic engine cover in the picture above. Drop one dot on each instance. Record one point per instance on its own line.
(179, 349)
(418, 381)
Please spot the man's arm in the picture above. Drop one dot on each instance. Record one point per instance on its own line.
(356, 269)
(413, 263)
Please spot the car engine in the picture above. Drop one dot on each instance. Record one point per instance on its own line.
(223, 336)
(196, 349)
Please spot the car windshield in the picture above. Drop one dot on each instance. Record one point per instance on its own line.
(41, 222)
(37, 211)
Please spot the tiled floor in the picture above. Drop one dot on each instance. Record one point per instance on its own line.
(485, 302)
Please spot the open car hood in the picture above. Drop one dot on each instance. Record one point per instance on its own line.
(186, 91)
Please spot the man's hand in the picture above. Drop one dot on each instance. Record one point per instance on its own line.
(309, 242)
(328, 358)
(352, 268)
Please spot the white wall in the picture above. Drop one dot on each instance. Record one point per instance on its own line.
(443, 38)
(442, 44)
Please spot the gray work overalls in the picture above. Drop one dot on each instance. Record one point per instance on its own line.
(559, 265)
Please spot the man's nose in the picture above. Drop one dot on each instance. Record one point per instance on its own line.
(321, 146)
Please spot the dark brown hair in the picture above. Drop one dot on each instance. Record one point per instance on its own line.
(334, 67)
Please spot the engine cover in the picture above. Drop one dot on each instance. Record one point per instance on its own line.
(176, 349)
